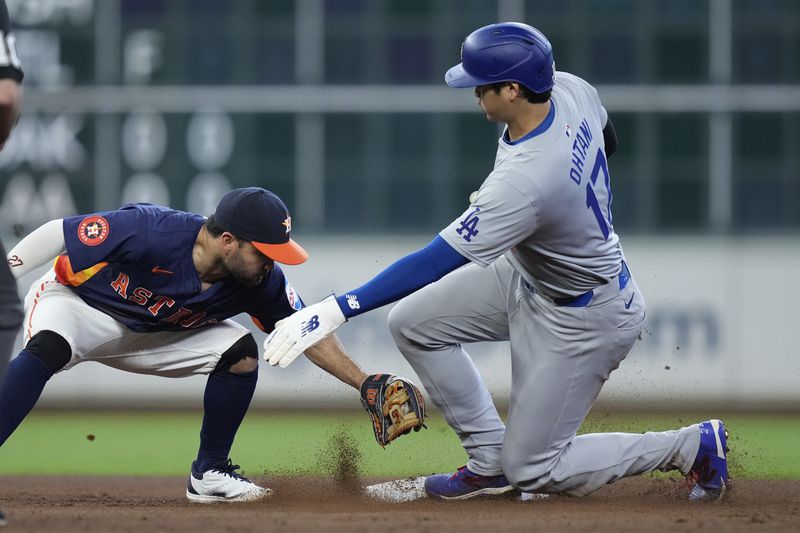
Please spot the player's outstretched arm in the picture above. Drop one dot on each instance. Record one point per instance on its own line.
(330, 356)
(296, 333)
(39, 247)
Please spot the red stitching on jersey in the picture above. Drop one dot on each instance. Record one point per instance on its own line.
(33, 307)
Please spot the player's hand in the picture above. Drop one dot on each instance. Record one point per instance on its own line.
(296, 333)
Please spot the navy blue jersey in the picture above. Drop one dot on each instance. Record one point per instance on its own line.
(136, 265)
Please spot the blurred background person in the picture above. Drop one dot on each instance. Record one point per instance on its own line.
(10, 102)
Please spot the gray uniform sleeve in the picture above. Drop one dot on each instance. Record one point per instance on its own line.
(501, 217)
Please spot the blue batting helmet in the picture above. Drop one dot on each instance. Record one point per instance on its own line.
(508, 51)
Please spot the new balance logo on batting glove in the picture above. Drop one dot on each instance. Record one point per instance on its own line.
(309, 326)
(296, 333)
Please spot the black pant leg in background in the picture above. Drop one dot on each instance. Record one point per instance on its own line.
(11, 314)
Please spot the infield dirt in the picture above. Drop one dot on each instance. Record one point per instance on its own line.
(302, 504)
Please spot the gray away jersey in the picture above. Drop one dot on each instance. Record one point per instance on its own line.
(547, 203)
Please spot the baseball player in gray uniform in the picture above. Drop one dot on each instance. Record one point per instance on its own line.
(534, 260)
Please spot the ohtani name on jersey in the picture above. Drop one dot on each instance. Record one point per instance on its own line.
(155, 303)
(580, 146)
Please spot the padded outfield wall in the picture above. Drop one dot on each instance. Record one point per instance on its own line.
(721, 329)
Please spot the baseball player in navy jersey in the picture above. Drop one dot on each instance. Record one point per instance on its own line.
(534, 260)
(151, 290)
(10, 101)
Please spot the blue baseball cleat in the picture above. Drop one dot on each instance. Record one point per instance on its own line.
(465, 484)
(710, 469)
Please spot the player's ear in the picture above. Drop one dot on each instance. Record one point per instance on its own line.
(228, 239)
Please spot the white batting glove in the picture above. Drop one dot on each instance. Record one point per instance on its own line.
(296, 333)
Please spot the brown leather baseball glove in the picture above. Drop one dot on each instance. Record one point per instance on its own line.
(395, 405)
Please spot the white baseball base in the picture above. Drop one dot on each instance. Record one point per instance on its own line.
(398, 490)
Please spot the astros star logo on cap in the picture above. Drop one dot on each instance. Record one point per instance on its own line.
(255, 214)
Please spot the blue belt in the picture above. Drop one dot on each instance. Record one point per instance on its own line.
(582, 300)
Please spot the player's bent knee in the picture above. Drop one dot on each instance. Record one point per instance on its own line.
(398, 321)
(51, 348)
(415, 337)
(409, 329)
(245, 366)
(241, 357)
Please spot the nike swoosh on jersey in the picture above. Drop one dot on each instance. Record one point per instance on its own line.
(157, 270)
(628, 305)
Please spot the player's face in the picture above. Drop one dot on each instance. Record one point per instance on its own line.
(488, 100)
(493, 103)
(247, 265)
